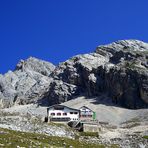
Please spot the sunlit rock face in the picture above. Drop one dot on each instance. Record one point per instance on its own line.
(28, 83)
(119, 70)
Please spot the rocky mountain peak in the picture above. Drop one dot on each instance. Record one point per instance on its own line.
(126, 51)
(119, 70)
(37, 65)
(125, 45)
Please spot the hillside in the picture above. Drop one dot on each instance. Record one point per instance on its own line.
(118, 126)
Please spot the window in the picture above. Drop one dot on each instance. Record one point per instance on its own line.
(90, 116)
(75, 112)
(83, 115)
(64, 114)
(58, 114)
(71, 112)
(52, 114)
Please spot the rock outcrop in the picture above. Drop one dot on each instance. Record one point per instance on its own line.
(119, 70)
(28, 83)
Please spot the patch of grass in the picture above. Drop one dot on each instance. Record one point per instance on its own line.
(91, 134)
(12, 139)
(57, 124)
(5, 114)
(114, 146)
(61, 125)
(145, 137)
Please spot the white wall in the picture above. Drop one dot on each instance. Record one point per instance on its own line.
(66, 110)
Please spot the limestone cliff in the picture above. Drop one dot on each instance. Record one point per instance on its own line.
(119, 70)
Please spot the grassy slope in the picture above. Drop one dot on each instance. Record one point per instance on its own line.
(12, 139)
(145, 137)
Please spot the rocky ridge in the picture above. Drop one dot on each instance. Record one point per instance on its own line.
(28, 83)
(119, 70)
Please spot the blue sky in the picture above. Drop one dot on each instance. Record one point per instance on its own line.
(55, 30)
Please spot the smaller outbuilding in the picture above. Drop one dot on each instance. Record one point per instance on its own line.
(86, 114)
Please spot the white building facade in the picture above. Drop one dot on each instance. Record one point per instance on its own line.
(61, 113)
